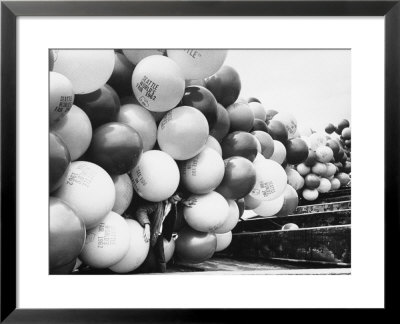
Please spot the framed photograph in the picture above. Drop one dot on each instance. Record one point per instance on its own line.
(218, 155)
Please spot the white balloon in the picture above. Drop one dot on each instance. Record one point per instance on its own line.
(142, 121)
(258, 110)
(317, 140)
(324, 185)
(208, 213)
(61, 97)
(214, 144)
(310, 194)
(123, 193)
(158, 83)
(156, 176)
(271, 207)
(107, 243)
(223, 241)
(303, 169)
(76, 132)
(136, 55)
(198, 63)
(232, 220)
(271, 180)
(89, 190)
(137, 251)
(204, 172)
(289, 121)
(295, 179)
(88, 70)
(279, 154)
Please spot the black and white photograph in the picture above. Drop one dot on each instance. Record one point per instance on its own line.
(199, 161)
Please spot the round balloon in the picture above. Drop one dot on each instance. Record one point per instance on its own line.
(123, 193)
(330, 170)
(183, 132)
(346, 133)
(198, 63)
(270, 207)
(279, 154)
(278, 131)
(137, 250)
(207, 213)
(67, 233)
(101, 106)
(267, 143)
(232, 220)
(310, 194)
(222, 125)
(136, 55)
(343, 178)
(289, 121)
(214, 144)
(295, 179)
(142, 121)
(270, 113)
(116, 147)
(317, 140)
(303, 169)
(239, 178)
(107, 243)
(61, 97)
(342, 125)
(296, 151)
(319, 169)
(311, 159)
(258, 110)
(330, 128)
(259, 125)
(271, 180)
(335, 184)
(312, 181)
(239, 144)
(193, 246)
(324, 186)
(203, 173)
(156, 177)
(241, 117)
(75, 130)
(158, 83)
(289, 227)
(290, 201)
(324, 154)
(223, 241)
(121, 78)
(203, 100)
(89, 190)
(59, 162)
(88, 70)
(250, 203)
(225, 85)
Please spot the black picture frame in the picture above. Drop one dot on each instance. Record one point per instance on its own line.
(11, 10)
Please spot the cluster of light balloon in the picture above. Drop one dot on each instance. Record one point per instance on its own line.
(142, 123)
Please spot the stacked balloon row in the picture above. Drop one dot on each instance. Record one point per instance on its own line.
(148, 123)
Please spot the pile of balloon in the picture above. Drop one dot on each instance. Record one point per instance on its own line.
(145, 123)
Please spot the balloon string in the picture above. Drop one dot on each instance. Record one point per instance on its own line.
(275, 223)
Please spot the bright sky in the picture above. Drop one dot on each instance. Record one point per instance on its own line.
(313, 85)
